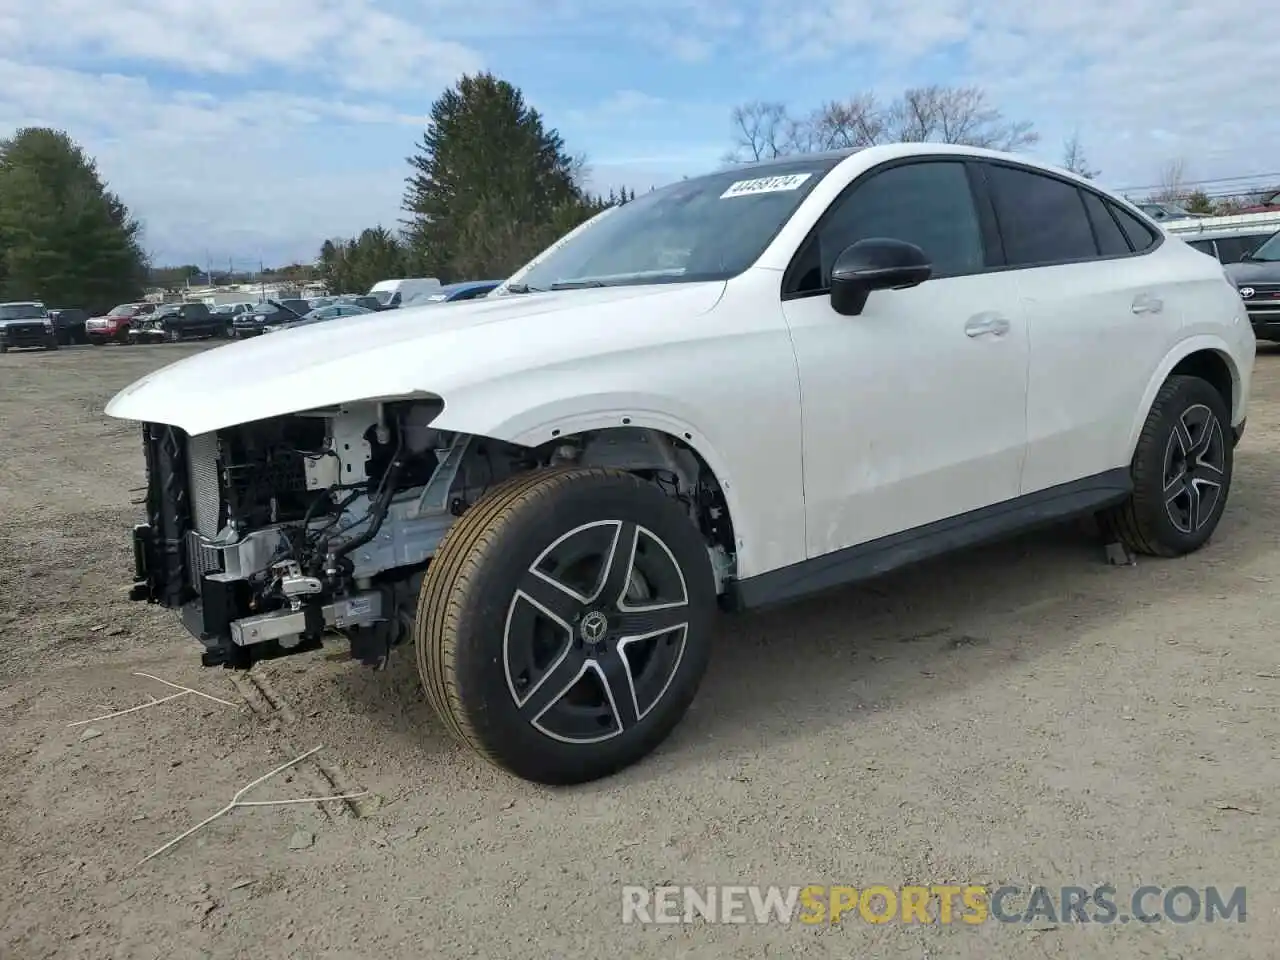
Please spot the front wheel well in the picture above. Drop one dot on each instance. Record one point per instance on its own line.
(668, 461)
(1212, 367)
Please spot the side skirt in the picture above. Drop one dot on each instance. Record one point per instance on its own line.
(865, 561)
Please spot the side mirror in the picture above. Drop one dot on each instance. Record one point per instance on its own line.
(875, 264)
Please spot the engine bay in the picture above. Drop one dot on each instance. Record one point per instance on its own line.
(270, 533)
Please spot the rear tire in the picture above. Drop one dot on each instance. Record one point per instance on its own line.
(563, 626)
(1181, 472)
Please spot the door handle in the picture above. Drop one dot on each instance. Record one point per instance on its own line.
(1145, 303)
(983, 323)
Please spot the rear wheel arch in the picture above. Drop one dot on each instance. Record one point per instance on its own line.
(1204, 357)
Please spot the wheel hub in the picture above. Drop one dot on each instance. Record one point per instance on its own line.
(594, 627)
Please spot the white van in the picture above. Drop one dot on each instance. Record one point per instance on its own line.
(391, 293)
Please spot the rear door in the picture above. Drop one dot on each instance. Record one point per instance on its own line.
(1101, 316)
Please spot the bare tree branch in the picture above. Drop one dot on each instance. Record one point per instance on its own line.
(1173, 182)
(1073, 158)
(962, 115)
(761, 131)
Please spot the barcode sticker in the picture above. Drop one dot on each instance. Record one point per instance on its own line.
(747, 188)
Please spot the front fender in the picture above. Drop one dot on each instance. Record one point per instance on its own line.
(1183, 349)
(761, 484)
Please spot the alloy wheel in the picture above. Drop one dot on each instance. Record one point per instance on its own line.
(1194, 467)
(595, 632)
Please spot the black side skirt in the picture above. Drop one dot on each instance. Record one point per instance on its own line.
(876, 557)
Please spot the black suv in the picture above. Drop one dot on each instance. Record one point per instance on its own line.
(178, 321)
(269, 312)
(68, 325)
(1257, 277)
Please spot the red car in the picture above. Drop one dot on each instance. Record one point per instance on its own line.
(1270, 204)
(114, 327)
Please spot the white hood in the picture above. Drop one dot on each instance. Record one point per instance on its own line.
(424, 350)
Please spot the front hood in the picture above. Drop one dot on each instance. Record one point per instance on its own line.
(417, 350)
(1253, 272)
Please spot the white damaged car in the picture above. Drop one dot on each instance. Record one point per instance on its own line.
(733, 391)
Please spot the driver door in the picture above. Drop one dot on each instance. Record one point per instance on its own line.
(915, 410)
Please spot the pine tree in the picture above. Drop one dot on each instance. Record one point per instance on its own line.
(490, 184)
(64, 237)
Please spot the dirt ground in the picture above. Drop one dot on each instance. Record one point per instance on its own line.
(1020, 714)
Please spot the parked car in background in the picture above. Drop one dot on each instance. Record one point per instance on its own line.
(69, 325)
(1166, 211)
(452, 292)
(332, 312)
(391, 294)
(1228, 246)
(1257, 279)
(178, 321)
(26, 323)
(360, 300)
(1270, 204)
(269, 313)
(229, 311)
(114, 327)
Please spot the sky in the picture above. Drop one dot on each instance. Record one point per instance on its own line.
(240, 131)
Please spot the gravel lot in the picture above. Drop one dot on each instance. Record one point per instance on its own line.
(1021, 714)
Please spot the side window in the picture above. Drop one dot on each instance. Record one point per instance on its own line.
(1111, 240)
(1234, 249)
(1141, 237)
(1042, 220)
(929, 204)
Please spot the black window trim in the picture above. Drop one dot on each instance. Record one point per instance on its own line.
(987, 227)
(1107, 202)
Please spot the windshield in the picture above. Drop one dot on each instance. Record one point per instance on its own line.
(706, 228)
(124, 310)
(383, 296)
(1269, 252)
(21, 311)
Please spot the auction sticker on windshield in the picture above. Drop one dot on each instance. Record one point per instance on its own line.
(746, 188)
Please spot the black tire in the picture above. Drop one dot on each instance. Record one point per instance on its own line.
(478, 634)
(52, 345)
(1186, 448)
(173, 336)
(4, 349)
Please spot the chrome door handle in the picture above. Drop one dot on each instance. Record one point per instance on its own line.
(1144, 303)
(983, 323)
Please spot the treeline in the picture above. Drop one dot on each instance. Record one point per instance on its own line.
(490, 185)
(65, 239)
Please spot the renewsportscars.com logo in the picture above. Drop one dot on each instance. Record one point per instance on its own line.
(970, 904)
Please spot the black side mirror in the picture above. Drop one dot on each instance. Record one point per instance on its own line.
(875, 264)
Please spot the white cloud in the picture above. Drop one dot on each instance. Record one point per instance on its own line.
(1144, 81)
(208, 173)
(346, 42)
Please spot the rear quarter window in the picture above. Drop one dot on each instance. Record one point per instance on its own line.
(1141, 236)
